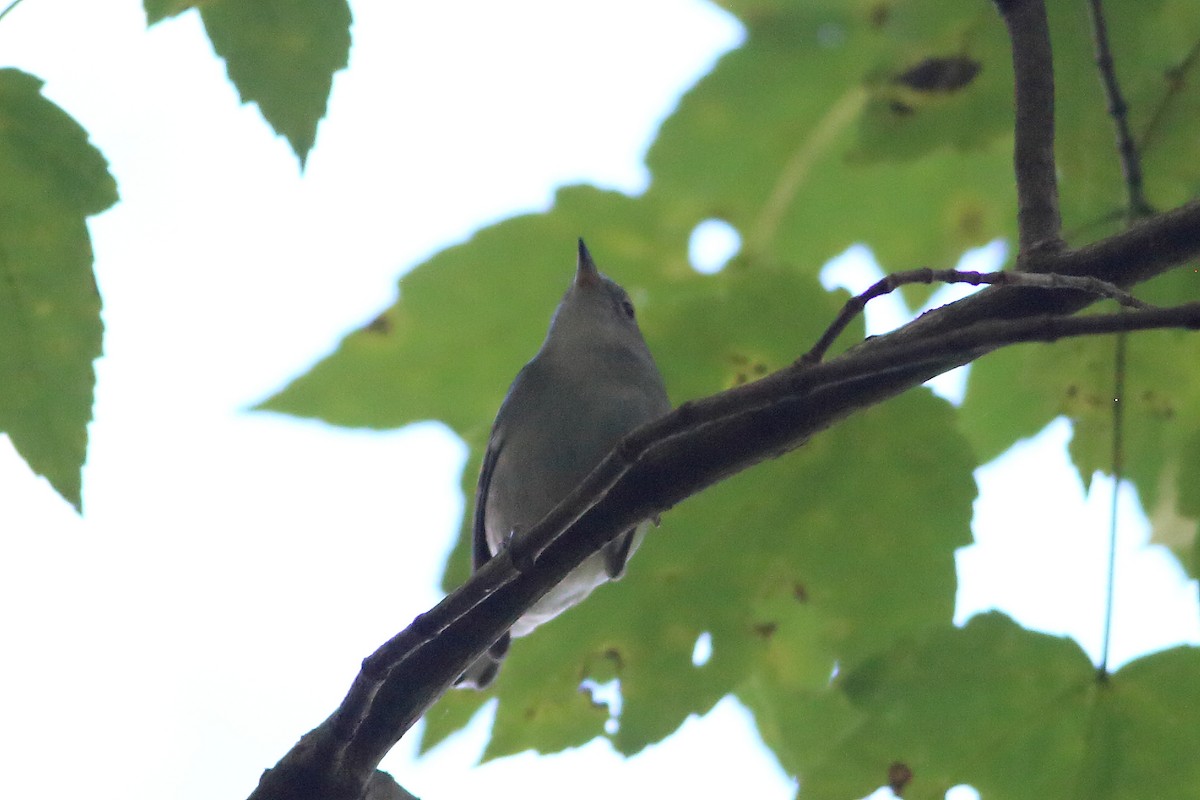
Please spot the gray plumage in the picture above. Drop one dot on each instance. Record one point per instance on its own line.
(592, 381)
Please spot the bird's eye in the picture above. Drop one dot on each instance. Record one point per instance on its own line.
(627, 307)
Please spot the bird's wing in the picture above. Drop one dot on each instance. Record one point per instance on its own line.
(481, 553)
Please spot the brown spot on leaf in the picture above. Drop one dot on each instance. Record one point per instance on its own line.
(1156, 405)
(899, 776)
(381, 325)
(800, 592)
(766, 629)
(940, 74)
(878, 15)
(900, 109)
(746, 368)
(970, 221)
(614, 655)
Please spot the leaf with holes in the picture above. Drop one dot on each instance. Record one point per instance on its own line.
(1013, 713)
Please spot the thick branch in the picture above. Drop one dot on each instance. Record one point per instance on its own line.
(1038, 220)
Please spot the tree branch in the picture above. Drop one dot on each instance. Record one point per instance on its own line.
(1118, 109)
(1038, 220)
(891, 283)
(1177, 80)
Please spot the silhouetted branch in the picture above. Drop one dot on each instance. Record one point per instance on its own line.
(1038, 221)
(1177, 80)
(1118, 109)
(891, 283)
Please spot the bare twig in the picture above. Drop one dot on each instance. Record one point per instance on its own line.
(1118, 109)
(989, 335)
(890, 283)
(1038, 221)
(1177, 79)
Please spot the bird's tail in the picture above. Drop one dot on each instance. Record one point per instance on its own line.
(483, 671)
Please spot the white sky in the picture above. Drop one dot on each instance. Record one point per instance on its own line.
(232, 569)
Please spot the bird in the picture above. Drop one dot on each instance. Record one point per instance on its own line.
(592, 381)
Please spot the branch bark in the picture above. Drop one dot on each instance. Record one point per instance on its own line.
(1118, 109)
(1039, 224)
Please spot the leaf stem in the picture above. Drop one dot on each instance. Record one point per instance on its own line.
(1118, 467)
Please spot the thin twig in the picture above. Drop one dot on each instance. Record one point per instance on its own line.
(1039, 223)
(1118, 109)
(1137, 207)
(1176, 82)
(894, 281)
(975, 340)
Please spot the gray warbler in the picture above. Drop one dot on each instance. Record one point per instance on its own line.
(592, 382)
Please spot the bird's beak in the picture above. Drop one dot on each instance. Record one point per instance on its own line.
(586, 273)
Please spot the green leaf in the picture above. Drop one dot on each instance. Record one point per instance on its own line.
(562, 714)
(51, 180)
(1013, 713)
(158, 10)
(772, 141)
(452, 713)
(1149, 41)
(281, 54)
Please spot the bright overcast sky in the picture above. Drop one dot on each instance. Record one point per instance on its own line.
(232, 569)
